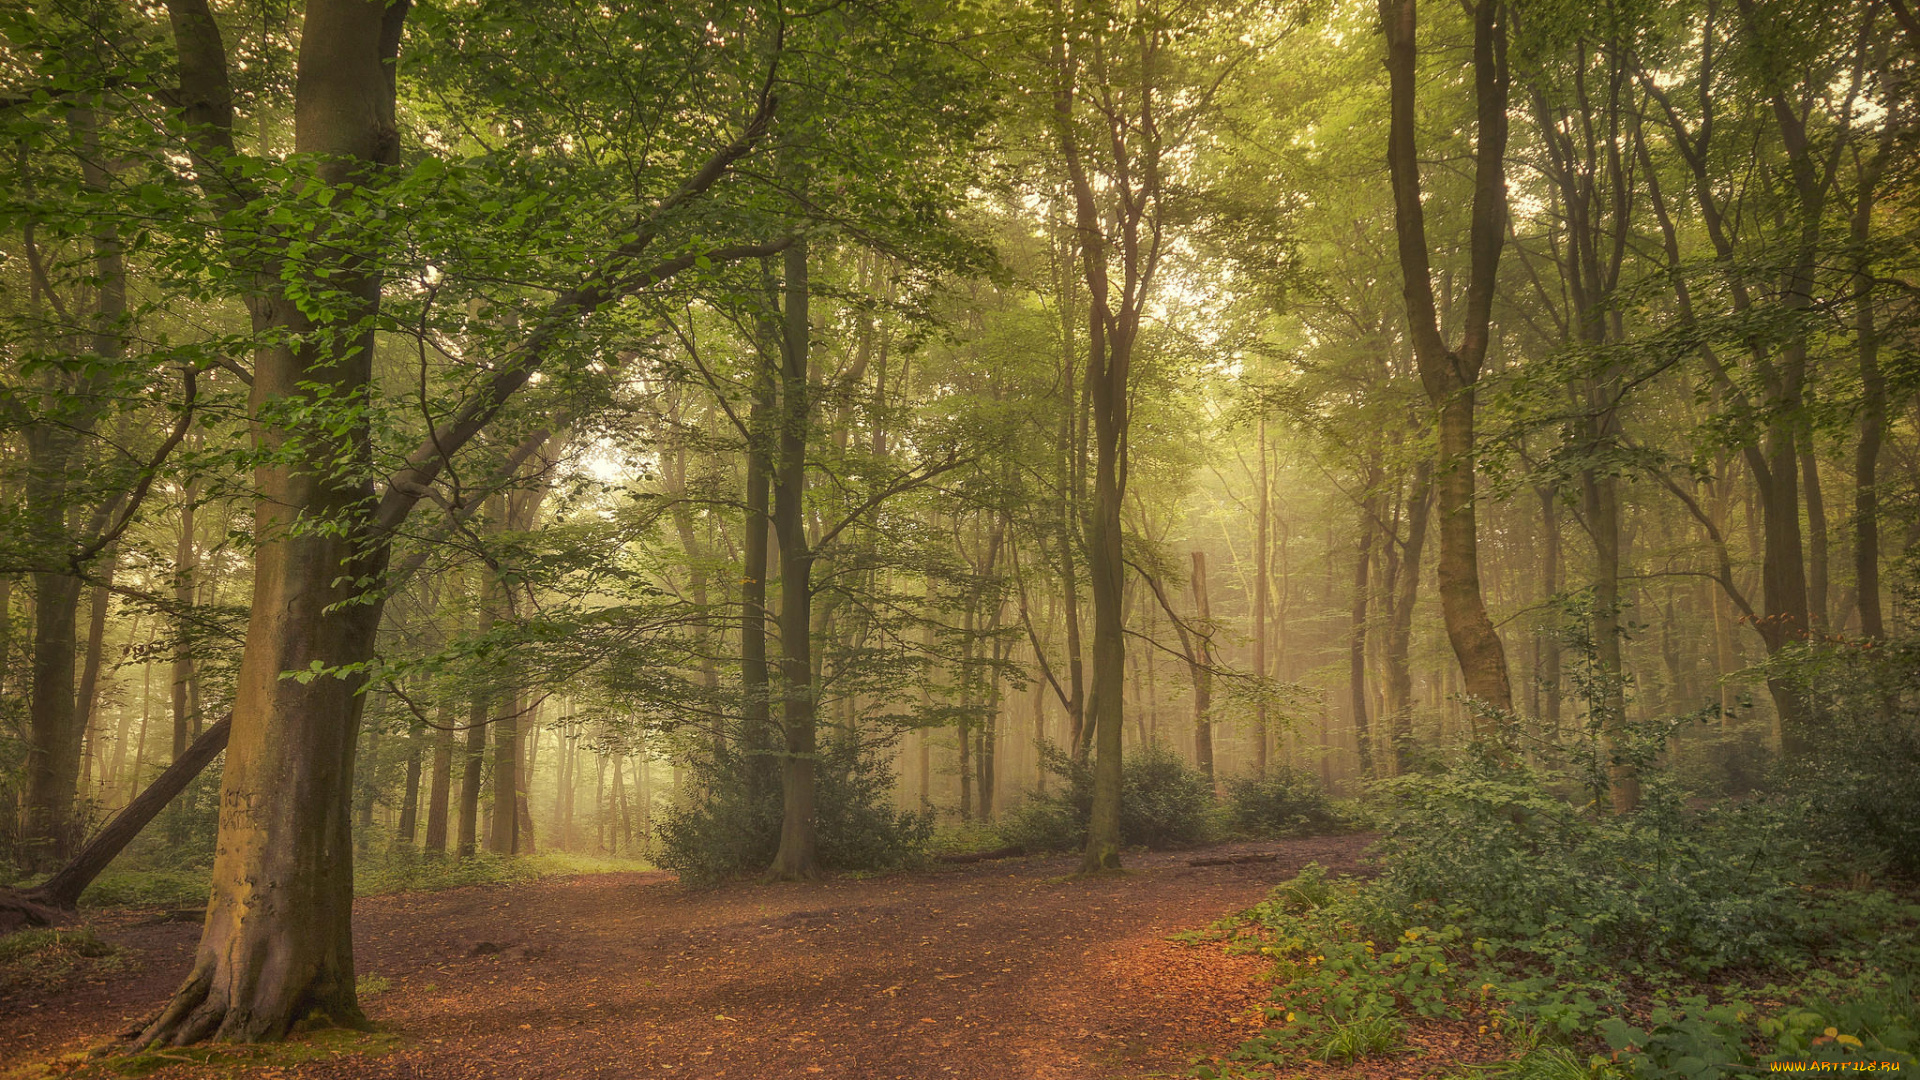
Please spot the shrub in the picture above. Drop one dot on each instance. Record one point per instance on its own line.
(1164, 802)
(1284, 802)
(729, 831)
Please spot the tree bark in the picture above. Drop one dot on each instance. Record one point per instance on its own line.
(1203, 669)
(796, 857)
(1400, 632)
(63, 889)
(1261, 513)
(185, 706)
(1357, 627)
(440, 792)
(87, 700)
(1450, 375)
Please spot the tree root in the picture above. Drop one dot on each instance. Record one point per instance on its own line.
(29, 906)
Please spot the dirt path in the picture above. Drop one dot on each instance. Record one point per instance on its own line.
(998, 971)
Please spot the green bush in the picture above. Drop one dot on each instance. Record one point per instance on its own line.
(1495, 850)
(1164, 802)
(1284, 802)
(729, 832)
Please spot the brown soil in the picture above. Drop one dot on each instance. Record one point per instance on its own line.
(996, 971)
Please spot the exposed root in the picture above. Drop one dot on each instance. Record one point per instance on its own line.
(30, 907)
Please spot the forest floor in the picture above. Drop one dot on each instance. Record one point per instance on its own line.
(1005, 970)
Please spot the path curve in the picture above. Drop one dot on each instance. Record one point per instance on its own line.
(1009, 970)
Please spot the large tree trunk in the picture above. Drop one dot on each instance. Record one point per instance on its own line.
(1450, 374)
(277, 944)
(53, 749)
(796, 857)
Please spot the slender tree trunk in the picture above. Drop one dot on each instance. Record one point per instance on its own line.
(504, 836)
(756, 732)
(1261, 515)
(1873, 410)
(1203, 670)
(184, 706)
(1549, 674)
(410, 794)
(796, 856)
(474, 768)
(85, 704)
(1400, 633)
(1819, 612)
(440, 792)
(1357, 632)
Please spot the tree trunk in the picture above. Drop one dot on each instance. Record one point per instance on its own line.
(1203, 670)
(1873, 409)
(1357, 632)
(1260, 589)
(504, 835)
(1400, 632)
(1819, 611)
(440, 793)
(410, 794)
(184, 705)
(756, 707)
(86, 702)
(474, 768)
(53, 751)
(1449, 375)
(1602, 497)
(796, 856)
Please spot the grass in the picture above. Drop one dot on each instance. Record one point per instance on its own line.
(409, 871)
(377, 875)
(147, 889)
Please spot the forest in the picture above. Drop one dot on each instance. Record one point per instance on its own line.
(1349, 539)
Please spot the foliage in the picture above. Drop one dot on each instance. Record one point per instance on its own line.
(1164, 802)
(406, 870)
(1681, 942)
(1284, 802)
(732, 828)
(147, 888)
(1859, 791)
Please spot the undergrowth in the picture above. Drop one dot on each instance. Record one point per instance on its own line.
(1664, 944)
(36, 959)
